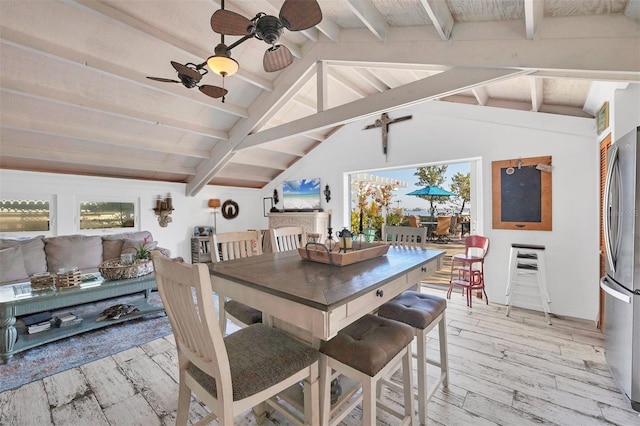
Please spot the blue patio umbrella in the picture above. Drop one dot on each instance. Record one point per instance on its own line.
(432, 191)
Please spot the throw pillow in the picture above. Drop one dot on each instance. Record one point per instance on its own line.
(35, 260)
(111, 249)
(12, 265)
(73, 251)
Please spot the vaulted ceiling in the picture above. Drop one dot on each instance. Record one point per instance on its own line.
(74, 97)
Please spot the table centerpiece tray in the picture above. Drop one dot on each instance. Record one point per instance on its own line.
(331, 254)
(113, 269)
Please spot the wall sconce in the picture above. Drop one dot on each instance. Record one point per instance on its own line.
(276, 199)
(327, 193)
(163, 210)
(214, 203)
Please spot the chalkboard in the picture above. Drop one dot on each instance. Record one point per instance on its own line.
(521, 194)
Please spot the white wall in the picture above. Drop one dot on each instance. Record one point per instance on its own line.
(189, 211)
(441, 132)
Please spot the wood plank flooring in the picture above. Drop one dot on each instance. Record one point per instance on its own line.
(513, 370)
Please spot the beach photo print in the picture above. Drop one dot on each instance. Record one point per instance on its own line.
(301, 195)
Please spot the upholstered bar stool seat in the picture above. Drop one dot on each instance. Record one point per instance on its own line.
(422, 312)
(367, 351)
(243, 313)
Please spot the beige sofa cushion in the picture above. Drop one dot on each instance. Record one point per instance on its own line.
(113, 244)
(12, 265)
(70, 251)
(33, 253)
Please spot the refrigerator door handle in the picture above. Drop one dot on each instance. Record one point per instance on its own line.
(613, 292)
(606, 213)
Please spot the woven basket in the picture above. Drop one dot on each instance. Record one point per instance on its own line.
(42, 281)
(113, 270)
(68, 279)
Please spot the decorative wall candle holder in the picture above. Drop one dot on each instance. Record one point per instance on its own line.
(163, 209)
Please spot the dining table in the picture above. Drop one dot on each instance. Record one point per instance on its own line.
(314, 300)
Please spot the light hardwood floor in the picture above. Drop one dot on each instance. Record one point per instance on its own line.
(513, 370)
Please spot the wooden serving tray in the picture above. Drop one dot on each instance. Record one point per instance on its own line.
(316, 252)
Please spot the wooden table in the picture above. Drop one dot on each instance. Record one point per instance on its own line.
(316, 300)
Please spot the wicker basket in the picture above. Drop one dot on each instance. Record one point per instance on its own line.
(114, 270)
(41, 281)
(68, 279)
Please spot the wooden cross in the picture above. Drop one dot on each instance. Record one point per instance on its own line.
(384, 122)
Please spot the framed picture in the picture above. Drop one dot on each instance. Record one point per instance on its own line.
(202, 231)
(301, 195)
(521, 194)
(603, 117)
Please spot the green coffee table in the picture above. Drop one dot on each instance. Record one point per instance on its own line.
(14, 303)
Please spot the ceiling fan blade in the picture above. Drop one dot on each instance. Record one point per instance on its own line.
(213, 91)
(164, 80)
(298, 15)
(185, 70)
(277, 58)
(229, 23)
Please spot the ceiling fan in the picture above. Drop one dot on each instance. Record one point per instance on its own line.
(295, 15)
(189, 76)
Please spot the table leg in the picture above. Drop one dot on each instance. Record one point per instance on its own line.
(8, 336)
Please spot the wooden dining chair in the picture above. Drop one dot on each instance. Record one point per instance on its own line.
(287, 238)
(235, 373)
(229, 246)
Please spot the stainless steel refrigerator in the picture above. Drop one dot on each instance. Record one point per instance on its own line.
(622, 279)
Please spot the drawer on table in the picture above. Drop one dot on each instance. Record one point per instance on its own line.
(421, 273)
(377, 297)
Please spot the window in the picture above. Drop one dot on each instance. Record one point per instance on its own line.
(107, 214)
(25, 215)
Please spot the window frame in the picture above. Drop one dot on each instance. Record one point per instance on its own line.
(53, 209)
(106, 199)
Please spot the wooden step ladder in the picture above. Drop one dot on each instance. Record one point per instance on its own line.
(527, 277)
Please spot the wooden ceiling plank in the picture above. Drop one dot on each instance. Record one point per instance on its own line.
(77, 101)
(440, 15)
(75, 132)
(57, 52)
(372, 79)
(443, 84)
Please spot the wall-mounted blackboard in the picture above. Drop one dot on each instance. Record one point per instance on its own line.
(521, 194)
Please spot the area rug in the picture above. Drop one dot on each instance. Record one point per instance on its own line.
(46, 360)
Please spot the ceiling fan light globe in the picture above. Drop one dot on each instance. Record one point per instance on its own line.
(222, 65)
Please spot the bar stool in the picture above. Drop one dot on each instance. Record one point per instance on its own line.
(422, 312)
(366, 351)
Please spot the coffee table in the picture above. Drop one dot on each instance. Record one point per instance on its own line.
(16, 300)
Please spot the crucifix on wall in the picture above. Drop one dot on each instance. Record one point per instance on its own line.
(383, 122)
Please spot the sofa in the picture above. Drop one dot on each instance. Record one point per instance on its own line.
(20, 258)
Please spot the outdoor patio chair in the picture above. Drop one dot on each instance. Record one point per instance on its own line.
(443, 228)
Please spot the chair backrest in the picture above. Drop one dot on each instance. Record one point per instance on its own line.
(235, 245)
(444, 225)
(453, 225)
(406, 236)
(185, 290)
(288, 238)
(414, 221)
(476, 245)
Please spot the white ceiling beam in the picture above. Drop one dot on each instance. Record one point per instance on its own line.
(481, 95)
(64, 131)
(453, 81)
(46, 94)
(533, 16)
(537, 93)
(287, 148)
(347, 85)
(265, 158)
(288, 83)
(122, 18)
(329, 28)
(370, 78)
(440, 16)
(57, 52)
(370, 17)
(304, 102)
(322, 88)
(617, 53)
